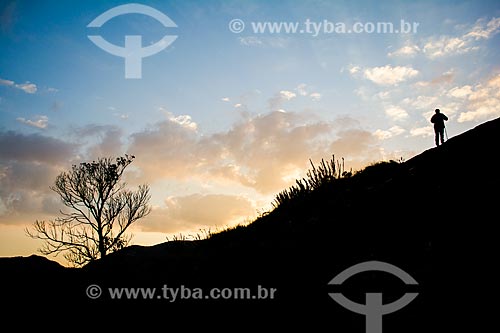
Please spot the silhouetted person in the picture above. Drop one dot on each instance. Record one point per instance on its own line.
(438, 120)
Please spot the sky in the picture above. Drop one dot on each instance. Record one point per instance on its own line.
(230, 112)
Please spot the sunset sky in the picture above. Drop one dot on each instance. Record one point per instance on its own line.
(222, 121)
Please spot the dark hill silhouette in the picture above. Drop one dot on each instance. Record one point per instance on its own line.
(431, 216)
(27, 265)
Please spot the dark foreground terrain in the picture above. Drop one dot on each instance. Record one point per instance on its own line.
(432, 216)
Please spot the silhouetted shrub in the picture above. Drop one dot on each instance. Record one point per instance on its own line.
(316, 177)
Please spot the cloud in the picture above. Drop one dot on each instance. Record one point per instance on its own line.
(273, 42)
(482, 100)
(422, 102)
(27, 87)
(480, 30)
(225, 99)
(488, 109)
(25, 190)
(250, 41)
(387, 134)
(442, 46)
(388, 75)
(165, 149)
(195, 211)
(405, 51)
(267, 146)
(445, 45)
(427, 104)
(184, 121)
(345, 122)
(28, 166)
(278, 99)
(353, 143)
(422, 131)
(461, 92)
(34, 147)
(287, 95)
(302, 90)
(363, 92)
(8, 83)
(315, 96)
(384, 94)
(354, 69)
(41, 121)
(396, 113)
(259, 152)
(122, 116)
(107, 140)
(445, 78)
(451, 108)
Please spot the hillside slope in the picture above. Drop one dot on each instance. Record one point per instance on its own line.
(429, 216)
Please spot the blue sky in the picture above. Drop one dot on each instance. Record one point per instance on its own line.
(222, 119)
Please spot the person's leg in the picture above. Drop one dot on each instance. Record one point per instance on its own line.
(436, 138)
(441, 132)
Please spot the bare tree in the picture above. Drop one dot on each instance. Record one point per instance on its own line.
(101, 210)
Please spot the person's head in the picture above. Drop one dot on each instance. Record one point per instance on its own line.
(437, 110)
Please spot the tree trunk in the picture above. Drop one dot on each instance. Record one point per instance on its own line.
(102, 249)
(102, 243)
